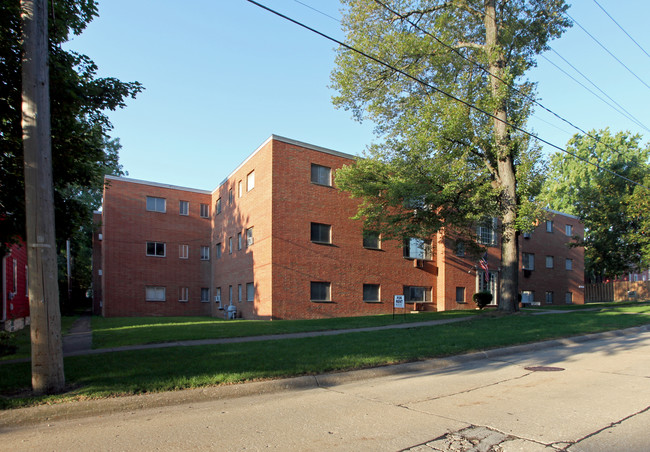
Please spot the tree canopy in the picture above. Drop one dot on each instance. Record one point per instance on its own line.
(461, 161)
(614, 210)
(82, 152)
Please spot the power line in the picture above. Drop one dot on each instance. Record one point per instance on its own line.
(607, 50)
(623, 29)
(317, 10)
(451, 96)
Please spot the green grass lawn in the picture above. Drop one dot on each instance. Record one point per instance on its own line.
(22, 340)
(133, 372)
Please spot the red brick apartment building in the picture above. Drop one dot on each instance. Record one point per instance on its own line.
(276, 241)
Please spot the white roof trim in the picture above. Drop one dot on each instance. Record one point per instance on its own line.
(555, 212)
(156, 184)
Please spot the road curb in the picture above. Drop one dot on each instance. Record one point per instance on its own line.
(21, 417)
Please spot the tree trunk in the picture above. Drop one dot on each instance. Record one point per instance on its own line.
(47, 355)
(505, 177)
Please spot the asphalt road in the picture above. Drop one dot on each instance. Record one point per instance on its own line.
(565, 395)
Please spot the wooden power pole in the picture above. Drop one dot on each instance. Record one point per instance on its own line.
(45, 314)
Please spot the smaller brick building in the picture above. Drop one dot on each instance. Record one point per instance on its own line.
(275, 240)
(13, 284)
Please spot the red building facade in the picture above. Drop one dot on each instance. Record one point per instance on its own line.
(15, 296)
(275, 241)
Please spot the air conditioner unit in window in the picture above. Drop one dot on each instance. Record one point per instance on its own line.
(217, 298)
(418, 263)
(249, 241)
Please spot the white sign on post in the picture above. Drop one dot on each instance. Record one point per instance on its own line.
(399, 301)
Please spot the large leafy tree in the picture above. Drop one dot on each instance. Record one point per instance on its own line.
(613, 209)
(461, 161)
(82, 152)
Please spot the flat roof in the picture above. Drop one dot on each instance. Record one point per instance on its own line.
(156, 184)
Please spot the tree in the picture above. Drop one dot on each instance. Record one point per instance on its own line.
(461, 163)
(611, 207)
(81, 149)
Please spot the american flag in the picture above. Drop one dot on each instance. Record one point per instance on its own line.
(484, 265)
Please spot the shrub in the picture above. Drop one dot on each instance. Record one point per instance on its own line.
(482, 299)
(7, 343)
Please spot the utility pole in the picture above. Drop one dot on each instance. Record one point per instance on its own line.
(47, 353)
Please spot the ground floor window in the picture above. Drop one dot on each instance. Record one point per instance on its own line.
(417, 294)
(250, 291)
(320, 291)
(527, 296)
(568, 298)
(155, 293)
(184, 294)
(460, 295)
(549, 297)
(205, 294)
(371, 293)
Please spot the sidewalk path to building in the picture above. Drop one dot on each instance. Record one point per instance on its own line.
(590, 393)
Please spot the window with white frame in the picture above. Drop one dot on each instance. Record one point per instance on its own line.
(205, 295)
(250, 291)
(156, 249)
(205, 253)
(249, 237)
(217, 295)
(549, 225)
(155, 293)
(568, 298)
(183, 251)
(415, 248)
(549, 297)
(239, 292)
(371, 240)
(230, 293)
(417, 294)
(240, 189)
(550, 261)
(321, 233)
(250, 181)
(568, 264)
(183, 294)
(320, 291)
(487, 232)
(218, 206)
(321, 175)
(528, 261)
(156, 204)
(568, 229)
(527, 296)
(184, 207)
(218, 248)
(371, 293)
(204, 210)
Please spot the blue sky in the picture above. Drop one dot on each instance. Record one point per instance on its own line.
(222, 76)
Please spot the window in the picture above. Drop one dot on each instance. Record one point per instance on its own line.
(154, 293)
(549, 226)
(460, 249)
(320, 291)
(460, 295)
(249, 237)
(205, 295)
(321, 233)
(240, 189)
(568, 298)
(527, 296)
(417, 294)
(205, 211)
(568, 264)
(230, 293)
(371, 240)
(184, 294)
(568, 230)
(184, 207)
(183, 251)
(205, 253)
(239, 292)
(229, 245)
(528, 261)
(218, 248)
(321, 175)
(371, 293)
(250, 291)
(217, 296)
(417, 249)
(156, 249)
(239, 240)
(486, 232)
(549, 297)
(156, 204)
(231, 198)
(550, 262)
(218, 206)
(250, 181)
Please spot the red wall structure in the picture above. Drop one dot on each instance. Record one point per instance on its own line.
(15, 298)
(265, 261)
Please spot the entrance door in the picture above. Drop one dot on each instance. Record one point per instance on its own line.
(489, 284)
